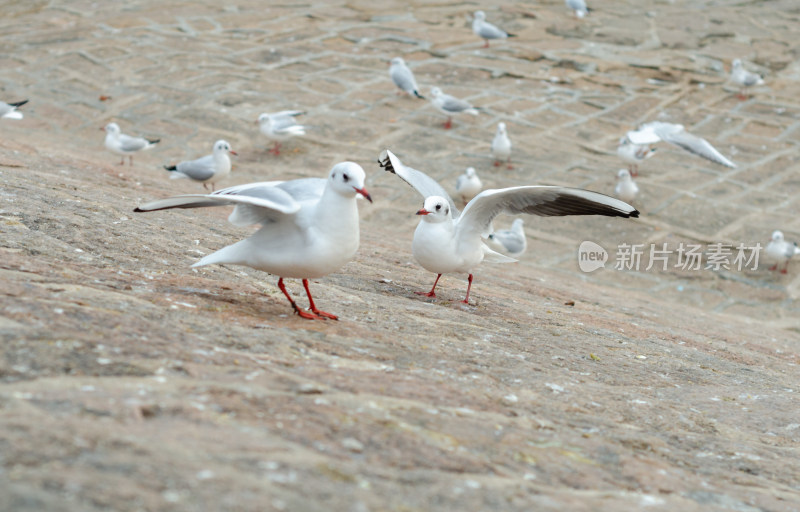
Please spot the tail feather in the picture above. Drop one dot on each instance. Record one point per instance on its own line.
(171, 167)
(231, 254)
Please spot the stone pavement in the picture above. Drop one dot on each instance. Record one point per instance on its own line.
(194, 72)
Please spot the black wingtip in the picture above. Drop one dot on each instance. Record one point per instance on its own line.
(153, 141)
(138, 210)
(634, 214)
(418, 95)
(171, 168)
(511, 35)
(19, 103)
(385, 162)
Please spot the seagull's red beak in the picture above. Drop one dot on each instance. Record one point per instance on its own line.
(363, 192)
(234, 153)
(102, 128)
(423, 212)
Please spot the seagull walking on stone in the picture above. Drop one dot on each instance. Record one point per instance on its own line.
(626, 188)
(632, 154)
(208, 169)
(309, 227)
(501, 146)
(780, 250)
(280, 126)
(403, 77)
(448, 241)
(9, 110)
(121, 144)
(468, 185)
(744, 78)
(511, 242)
(486, 30)
(450, 106)
(677, 135)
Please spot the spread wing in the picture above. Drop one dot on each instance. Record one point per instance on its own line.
(420, 181)
(694, 144)
(536, 200)
(255, 203)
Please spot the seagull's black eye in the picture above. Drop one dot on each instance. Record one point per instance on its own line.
(345, 177)
(438, 207)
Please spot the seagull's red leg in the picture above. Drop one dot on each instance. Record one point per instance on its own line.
(123, 160)
(497, 163)
(486, 44)
(276, 150)
(774, 267)
(297, 310)
(314, 309)
(431, 293)
(469, 285)
(449, 123)
(508, 164)
(785, 267)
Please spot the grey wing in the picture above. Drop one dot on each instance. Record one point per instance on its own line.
(201, 169)
(287, 113)
(696, 145)
(304, 189)
(404, 79)
(130, 144)
(282, 124)
(751, 79)
(255, 203)
(451, 104)
(534, 200)
(420, 181)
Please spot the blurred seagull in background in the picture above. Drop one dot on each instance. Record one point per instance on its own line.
(501, 146)
(403, 77)
(579, 6)
(511, 242)
(744, 78)
(626, 188)
(486, 30)
(208, 169)
(450, 106)
(632, 154)
(468, 185)
(280, 126)
(121, 144)
(781, 250)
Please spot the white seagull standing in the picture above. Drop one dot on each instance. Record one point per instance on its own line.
(280, 126)
(450, 106)
(632, 154)
(448, 241)
(511, 242)
(121, 144)
(676, 134)
(501, 146)
(486, 30)
(468, 185)
(626, 188)
(403, 77)
(309, 227)
(744, 78)
(208, 169)
(9, 110)
(781, 250)
(579, 6)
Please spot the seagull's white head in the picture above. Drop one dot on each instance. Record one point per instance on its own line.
(436, 92)
(777, 236)
(398, 61)
(517, 224)
(480, 15)
(501, 127)
(222, 146)
(347, 179)
(470, 172)
(264, 118)
(435, 209)
(737, 63)
(112, 128)
(624, 174)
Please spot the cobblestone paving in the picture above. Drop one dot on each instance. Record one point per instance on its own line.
(190, 73)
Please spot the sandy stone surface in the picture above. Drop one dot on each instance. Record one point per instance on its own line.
(132, 382)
